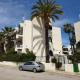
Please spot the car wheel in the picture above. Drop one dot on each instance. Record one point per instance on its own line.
(34, 70)
(20, 68)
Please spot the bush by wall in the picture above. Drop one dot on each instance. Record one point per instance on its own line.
(14, 57)
(27, 57)
(58, 65)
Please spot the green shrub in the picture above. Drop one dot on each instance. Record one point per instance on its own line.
(27, 57)
(14, 57)
(58, 65)
(2, 57)
(53, 60)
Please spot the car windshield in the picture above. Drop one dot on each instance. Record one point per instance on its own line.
(38, 63)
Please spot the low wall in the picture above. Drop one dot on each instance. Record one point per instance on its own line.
(49, 67)
(69, 67)
(79, 67)
(8, 63)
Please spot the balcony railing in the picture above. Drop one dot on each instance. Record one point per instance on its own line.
(19, 46)
(18, 35)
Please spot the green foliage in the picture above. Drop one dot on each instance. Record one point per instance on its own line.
(75, 58)
(54, 60)
(68, 28)
(46, 9)
(78, 47)
(27, 57)
(14, 57)
(58, 65)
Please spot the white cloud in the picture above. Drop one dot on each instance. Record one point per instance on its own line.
(11, 13)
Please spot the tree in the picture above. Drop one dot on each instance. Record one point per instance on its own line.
(8, 36)
(1, 43)
(78, 47)
(75, 58)
(46, 10)
(69, 29)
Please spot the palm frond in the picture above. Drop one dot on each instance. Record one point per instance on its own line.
(46, 8)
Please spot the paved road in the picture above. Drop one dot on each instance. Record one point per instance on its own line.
(11, 73)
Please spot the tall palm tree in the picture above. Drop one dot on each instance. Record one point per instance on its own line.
(8, 38)
(46, 10)
(69, 29)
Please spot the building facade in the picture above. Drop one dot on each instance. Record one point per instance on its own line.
(31, 35)
(57, 40)
(77, 31)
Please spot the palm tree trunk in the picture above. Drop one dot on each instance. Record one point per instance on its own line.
(47, 44)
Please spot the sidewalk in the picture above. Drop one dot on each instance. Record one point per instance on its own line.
(65, 73)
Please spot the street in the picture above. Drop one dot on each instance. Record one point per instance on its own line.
(12, 73)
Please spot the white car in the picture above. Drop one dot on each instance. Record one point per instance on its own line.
(32, 66)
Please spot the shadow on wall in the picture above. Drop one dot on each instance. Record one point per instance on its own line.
(38, 38)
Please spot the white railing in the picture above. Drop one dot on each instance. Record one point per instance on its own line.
(18, 35)
(18, 46)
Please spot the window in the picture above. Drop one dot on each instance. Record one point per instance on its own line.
(65, 49)
(29, 63)
(38, 63)
(19, 50)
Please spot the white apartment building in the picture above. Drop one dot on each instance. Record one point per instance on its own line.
(32, 36)
(77, 31)
(57, 40)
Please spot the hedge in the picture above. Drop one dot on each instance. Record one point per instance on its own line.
(14, 57)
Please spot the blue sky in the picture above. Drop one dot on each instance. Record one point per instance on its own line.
(12, 12)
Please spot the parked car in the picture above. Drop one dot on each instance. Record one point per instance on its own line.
(32, 66)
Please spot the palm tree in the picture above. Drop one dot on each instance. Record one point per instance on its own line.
(78, 47)
(8, 38)
(69, 29)
(46, 10)
(1, 43)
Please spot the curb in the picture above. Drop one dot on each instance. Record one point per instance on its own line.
(65, 73)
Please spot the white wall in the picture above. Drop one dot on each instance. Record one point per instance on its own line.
(33, 38)
(79, 66)
(27, 35)
(49, 67)
(77, 31)
(69, 68)
(8, 63)
(38, 39)
(57, 40)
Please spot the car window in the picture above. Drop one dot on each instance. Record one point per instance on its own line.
(38, 63)
(29, 63)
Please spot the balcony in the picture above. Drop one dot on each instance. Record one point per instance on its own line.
(18, 46)
(18, 35)
(19, 42)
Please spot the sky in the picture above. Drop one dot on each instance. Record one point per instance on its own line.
(12, 12)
